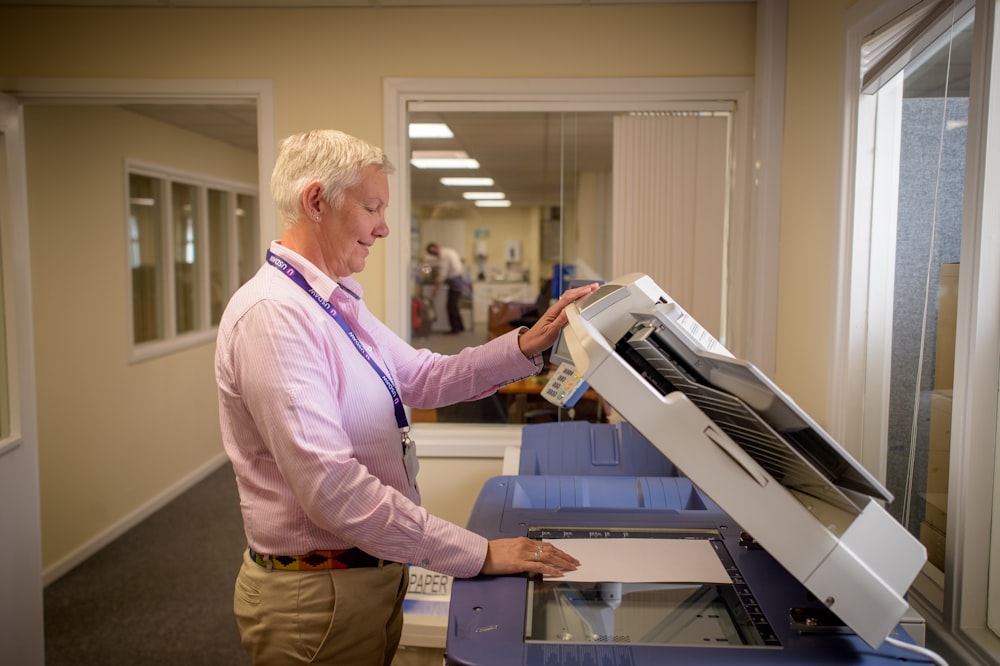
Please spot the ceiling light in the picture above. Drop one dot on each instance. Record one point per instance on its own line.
(493, 203)
(430, 131)
(483, 195)
(463, 181)
(442, 159)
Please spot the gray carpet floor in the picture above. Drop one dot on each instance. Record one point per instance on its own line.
(162, 593)
(159, 594)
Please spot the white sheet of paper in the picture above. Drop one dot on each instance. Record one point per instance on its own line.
(643, 561)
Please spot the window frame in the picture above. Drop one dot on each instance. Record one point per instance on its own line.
(955, 604)
(204, 331)
(975, 417)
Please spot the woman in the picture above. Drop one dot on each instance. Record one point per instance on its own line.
(311, 395)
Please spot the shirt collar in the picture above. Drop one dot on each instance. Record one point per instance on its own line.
(316, 278)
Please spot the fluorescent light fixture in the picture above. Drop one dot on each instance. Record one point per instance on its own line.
(430, 131)
(142, 201)
(479, 196)
(493, 203)
(464, 181)
(442, 159)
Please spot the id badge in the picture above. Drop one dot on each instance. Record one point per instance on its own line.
(410, 461)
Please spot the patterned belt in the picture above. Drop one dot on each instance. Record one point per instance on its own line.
(319, 560)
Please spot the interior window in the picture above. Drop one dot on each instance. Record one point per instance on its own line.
(910, 191)
(929, 97)
(219, 261)
(516, 231)
(247, 242)
(145, 238)
(187, 288)
(181, 286)
(538, 216)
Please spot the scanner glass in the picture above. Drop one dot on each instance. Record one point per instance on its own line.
(692, 614)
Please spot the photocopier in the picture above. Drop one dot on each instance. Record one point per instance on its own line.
(716, 523)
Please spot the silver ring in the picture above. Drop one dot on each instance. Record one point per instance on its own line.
(538, 554)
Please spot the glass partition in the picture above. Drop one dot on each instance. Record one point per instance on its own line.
(925, 213)
(186, 257)
(534, 223)
(545, 207)
(218, 256)
(933, 108)
(145, 241)
(918, 109)
(247, 243)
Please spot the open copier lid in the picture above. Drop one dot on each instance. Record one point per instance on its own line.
(749, 447)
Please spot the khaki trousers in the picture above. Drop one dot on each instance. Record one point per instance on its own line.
(341, 616)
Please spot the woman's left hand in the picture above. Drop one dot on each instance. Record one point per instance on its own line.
(543, 334)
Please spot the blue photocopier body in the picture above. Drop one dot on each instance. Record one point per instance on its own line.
(604, 481)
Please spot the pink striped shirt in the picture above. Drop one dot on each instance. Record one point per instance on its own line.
(310, 429)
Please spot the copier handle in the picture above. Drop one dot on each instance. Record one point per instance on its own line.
(739, 456)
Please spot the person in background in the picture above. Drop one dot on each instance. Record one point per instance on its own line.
(451, 272)
(311, 390)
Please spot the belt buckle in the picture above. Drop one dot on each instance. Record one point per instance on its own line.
(261, 560)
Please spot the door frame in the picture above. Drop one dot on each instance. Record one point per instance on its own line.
(21, 618)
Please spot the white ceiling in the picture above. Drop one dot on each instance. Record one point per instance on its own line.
(533, 157)
(235, 124)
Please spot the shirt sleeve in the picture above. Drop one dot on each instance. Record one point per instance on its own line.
(429, 380)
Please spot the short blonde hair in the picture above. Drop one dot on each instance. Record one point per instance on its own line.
(333, 158)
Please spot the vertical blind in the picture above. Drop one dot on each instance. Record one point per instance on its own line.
(671, 205)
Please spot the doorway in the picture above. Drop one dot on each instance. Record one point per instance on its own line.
(21, 632)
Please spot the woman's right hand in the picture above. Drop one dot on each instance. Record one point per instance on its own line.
(524, 555)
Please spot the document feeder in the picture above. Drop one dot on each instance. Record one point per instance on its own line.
(750, 448)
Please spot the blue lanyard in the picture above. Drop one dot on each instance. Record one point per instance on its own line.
(297, 278)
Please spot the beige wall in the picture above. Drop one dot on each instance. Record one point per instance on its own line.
(327, 68)
(450, 486)
(809, 195)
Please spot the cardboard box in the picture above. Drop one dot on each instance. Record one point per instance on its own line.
(939, 443)
(936, 510)
(937, 471)
(934, 542)
(947, 319)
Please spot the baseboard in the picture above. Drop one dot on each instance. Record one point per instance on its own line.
(79, 555)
